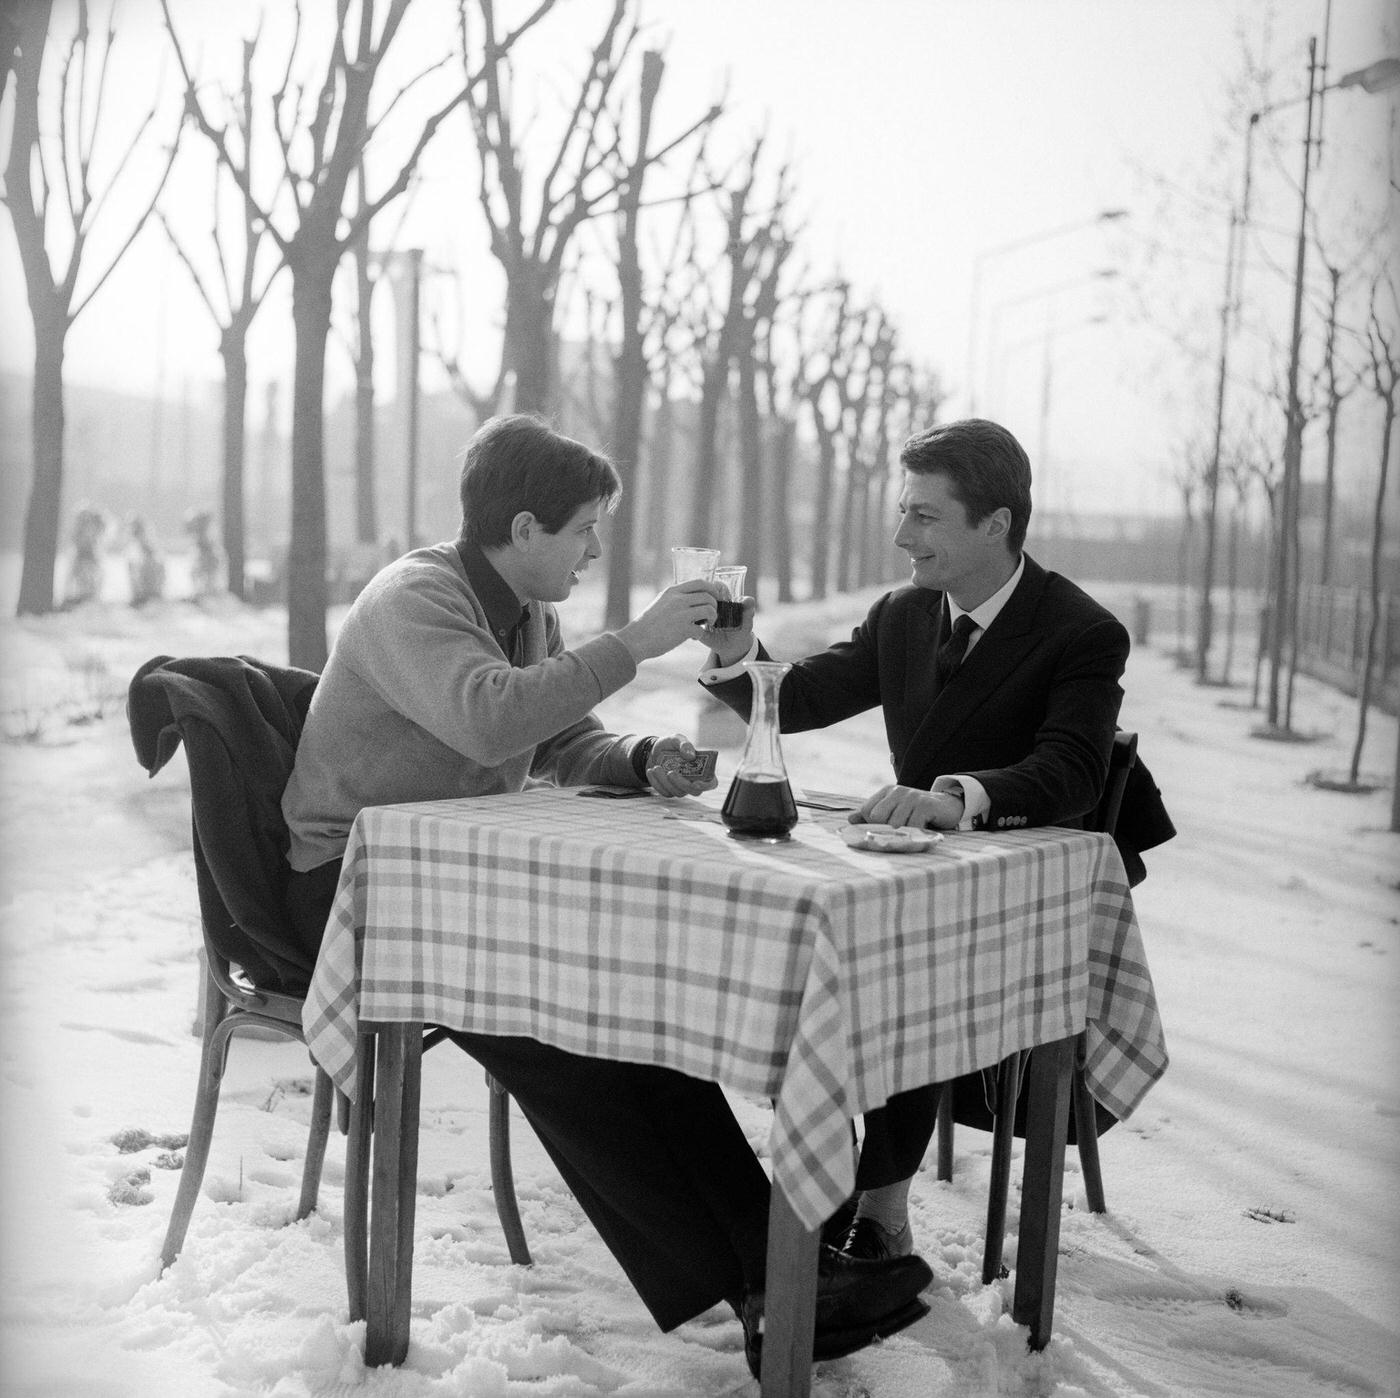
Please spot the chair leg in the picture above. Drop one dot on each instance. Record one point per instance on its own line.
(502, 1177)
(1087, 1135)
(357, 1159)
(316, 1136)
(206, 1105)
(945, 1132)
(1003, 1133)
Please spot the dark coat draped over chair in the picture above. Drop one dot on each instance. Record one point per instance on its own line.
(240, 721)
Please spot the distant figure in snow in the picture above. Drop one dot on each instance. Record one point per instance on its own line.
(85, 572)
(204, 572)
(144, 564)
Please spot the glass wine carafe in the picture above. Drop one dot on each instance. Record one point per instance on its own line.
(759, 805)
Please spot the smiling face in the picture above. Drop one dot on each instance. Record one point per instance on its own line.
(547, 566)
(948, 552)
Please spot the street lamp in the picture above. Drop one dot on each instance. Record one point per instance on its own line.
(1375, 77)
(1101, 274)
(1000, 249)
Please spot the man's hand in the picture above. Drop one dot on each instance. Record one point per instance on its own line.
(665, 778)
(679, 614)
(907, 805)
(732, 644)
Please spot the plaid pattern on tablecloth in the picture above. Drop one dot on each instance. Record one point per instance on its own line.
(807, 972)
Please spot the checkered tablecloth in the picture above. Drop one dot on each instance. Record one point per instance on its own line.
(807, 972)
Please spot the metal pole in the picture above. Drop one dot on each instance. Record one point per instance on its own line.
(1293, 436)
(415, 264)
(1206, 623)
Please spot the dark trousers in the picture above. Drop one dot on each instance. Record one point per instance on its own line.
(654, 1158)
(898, 1134)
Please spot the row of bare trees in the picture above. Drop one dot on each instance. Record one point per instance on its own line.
(1327, 397)
(686, 260)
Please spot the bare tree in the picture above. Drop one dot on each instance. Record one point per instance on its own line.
(783, 376)
(55, 202)
(366, 506)
(862, 393)
(313, 238)
(841, 331)
(1382, 377)
(673, 315)
(584, 177)
(754, 485)
(744, 244)
(630, 369)
(233, 300)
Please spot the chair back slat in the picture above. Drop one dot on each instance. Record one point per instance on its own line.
(1120, 763)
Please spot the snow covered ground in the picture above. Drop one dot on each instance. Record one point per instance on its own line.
(1253, 1235)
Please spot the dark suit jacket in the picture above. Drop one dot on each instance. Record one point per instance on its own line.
(1031, 714)
(240, 721)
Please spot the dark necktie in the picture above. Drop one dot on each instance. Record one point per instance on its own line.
(951, 652)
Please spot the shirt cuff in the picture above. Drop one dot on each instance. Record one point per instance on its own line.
(711, 672)
(976, 802)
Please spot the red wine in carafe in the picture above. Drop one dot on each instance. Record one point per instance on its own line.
(763, 809)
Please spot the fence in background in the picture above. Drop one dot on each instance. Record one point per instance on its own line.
(1333, 623)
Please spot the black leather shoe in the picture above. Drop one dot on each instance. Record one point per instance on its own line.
(870, 1241)
(858, 1301)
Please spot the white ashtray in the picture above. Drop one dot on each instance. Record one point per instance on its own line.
(890, 839)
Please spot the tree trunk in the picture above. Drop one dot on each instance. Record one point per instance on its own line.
(366, 520)
(630, 387)
(307, 597)
(752, 519)
(1363, 701)
(46, 492)
(705, 480)
(1232, 588)
(660, 472)
(234, 349)
(845, 549)
(821, 521)
(785, 433)
(1266, 614)
(529, 339)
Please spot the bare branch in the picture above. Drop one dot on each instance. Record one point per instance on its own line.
(131, 237)
(204, 293)
(218, 135)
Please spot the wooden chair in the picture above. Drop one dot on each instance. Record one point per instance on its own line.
(1005, 1085)
(240, 721)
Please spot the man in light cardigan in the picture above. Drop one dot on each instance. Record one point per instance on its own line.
(450, 678)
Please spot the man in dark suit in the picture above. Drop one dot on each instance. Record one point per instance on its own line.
(999, 683)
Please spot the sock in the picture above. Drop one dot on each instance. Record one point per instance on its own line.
(888, 1206)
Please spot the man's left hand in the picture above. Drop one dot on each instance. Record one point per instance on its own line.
(665, 778)
(907, 805)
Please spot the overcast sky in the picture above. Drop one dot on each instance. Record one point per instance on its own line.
(926, 136)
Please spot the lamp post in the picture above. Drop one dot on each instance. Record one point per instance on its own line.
(1101, 274)
(405, 269)
(999, 250)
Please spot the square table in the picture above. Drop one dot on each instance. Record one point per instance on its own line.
(823, 978)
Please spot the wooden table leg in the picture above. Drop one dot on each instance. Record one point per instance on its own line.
(1037, 1252)
(393, 1193)
(357, 1157)
(790, 1305)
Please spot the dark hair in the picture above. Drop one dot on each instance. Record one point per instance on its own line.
(987, 469)
(518, 463)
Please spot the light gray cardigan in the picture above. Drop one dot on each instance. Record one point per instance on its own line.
(418, 702)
